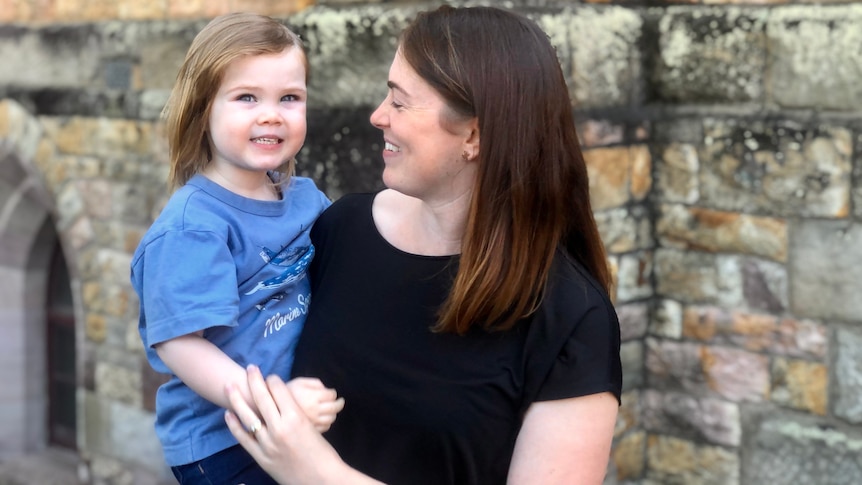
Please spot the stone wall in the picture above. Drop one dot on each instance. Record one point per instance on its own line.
(723, 145)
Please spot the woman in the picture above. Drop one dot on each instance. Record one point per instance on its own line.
(462, 312)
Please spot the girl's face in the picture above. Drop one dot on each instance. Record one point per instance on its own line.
(423, 158)
(257, 121)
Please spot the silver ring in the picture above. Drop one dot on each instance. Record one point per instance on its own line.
(255, 426)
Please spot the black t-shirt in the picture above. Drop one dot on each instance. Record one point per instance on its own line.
(431, 408)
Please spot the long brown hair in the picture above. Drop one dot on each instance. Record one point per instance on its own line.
(532, 192)
(187, 111)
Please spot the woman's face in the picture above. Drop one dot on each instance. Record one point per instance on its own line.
(422, 158)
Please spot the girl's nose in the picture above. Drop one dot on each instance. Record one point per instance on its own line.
(269, 115)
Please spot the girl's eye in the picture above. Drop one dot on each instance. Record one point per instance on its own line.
(245, 97)
(290, 97)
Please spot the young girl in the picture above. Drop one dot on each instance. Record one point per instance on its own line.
(221, 274)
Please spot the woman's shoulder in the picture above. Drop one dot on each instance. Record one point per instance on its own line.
(571, 285)
(347, 210)
(567, 268)
(348, 204)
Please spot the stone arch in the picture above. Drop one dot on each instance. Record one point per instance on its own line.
(28, 236)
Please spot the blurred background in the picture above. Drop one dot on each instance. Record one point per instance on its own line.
(723, 141)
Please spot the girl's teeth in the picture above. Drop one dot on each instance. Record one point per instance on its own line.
(266, 141)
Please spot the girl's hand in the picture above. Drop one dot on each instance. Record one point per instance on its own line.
(319, 403)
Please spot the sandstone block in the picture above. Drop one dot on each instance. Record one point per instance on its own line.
(700, 420)
(813, 57)
(106, 137)
(667, 321)
(629, 416)
(634, 318)
(605, 71)
(695, 277)
(710, 55)
(628, 456)
(735, 374)
(625, 229)
(677, 461)
(119, 383)
(720, 231)
(780, 169)
(789, 450)
(632, 357)
(756, 332)
(633, 277)
(596, 133)
(848, 375)
(800, 385)
(823, 286)
(678, 173)
(95, 327)
(675, 366)
(617, 175)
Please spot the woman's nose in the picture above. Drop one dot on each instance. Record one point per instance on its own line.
(378, 116)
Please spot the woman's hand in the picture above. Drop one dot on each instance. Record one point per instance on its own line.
(282, 439)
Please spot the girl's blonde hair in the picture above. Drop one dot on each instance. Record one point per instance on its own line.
(187, 111)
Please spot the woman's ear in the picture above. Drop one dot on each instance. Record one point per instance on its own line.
(471, 144)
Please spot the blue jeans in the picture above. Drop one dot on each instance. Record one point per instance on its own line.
(228, 467)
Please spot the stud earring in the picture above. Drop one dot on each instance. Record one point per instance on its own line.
(465, 156)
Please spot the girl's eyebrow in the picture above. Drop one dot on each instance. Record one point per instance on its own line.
(251, 87)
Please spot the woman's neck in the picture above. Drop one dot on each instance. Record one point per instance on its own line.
(419, 227)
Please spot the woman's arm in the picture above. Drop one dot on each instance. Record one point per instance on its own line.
(287, 446)
(566, 441)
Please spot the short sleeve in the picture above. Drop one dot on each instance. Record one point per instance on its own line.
(589, 361)
(573, 344)
(189, 284)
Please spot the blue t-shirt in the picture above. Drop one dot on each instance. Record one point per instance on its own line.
(235, 268)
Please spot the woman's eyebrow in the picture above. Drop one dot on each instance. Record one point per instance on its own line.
(394, 86)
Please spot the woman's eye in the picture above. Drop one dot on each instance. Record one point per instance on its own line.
(396, 104)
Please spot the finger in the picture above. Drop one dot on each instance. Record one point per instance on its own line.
(331, 407)
(242, 436)
(327, 395)
(327, 414)
(323, 422)
(281, 394)
(273, 400)
(306, 382)
(255, 426)
(238, 404)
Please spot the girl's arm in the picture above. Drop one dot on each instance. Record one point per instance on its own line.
(203, 367)
(207, 370)
(566, 441)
